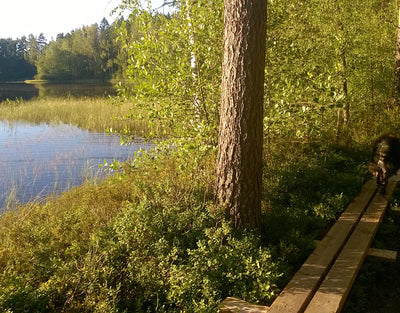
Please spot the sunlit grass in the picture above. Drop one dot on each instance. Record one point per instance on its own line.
(94, 114)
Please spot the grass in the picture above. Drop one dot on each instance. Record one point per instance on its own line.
(94, 114)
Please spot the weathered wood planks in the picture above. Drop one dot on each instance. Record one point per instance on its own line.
(323, 282)
(335, 288)
(235, 305)
(387, 255)
(299, 291)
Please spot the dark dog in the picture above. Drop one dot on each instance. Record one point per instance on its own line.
(385, 160)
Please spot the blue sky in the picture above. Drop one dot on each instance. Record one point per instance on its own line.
(23, 17)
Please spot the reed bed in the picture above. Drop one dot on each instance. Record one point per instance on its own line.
(94, 114)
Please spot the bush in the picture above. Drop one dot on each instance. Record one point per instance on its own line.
(147, 240)
(225, 264)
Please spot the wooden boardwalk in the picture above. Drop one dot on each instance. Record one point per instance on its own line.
(324, 281)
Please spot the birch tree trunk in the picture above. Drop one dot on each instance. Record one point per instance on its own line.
(240, 146)
(343, 116)
(397, 71)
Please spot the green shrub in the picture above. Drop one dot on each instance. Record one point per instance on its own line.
(225, 264)
(147, 240)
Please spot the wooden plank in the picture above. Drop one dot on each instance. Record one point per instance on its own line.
(334, 290)
(386, 255)
(299, 291)
(234, 305)
(395, 209)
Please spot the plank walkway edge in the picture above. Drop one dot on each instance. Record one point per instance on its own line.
(304, 285)
(387, 255)
(235, 305)
(336, 286)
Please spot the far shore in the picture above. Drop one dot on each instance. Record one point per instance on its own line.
(35, 81)
(78, 81)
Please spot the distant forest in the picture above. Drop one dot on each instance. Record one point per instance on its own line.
(91, 52)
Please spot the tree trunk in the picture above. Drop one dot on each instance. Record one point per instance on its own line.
(240, 146)
(343, 116)
(397, 72)
(346, 108)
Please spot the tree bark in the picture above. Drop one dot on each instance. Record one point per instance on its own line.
(240, 145)
(346, 108)
(397, 71)
(343, 116)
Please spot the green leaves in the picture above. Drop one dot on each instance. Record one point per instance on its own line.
(86, 53)
(312, 49)
(175, 61)
(225, 263)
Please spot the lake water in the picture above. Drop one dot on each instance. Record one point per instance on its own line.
(36, 160)
(24, 91)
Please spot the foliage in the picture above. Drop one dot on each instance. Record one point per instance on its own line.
(175, 60)
(306, 188)
(312, 49)
(149, 241)
(225, 264)
(86, 53)
(13, 60)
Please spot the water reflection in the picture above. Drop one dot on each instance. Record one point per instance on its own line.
(24, 91)
(13, 91)
(36, 160)
(75, 90)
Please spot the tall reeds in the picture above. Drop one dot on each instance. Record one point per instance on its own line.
(94, 114)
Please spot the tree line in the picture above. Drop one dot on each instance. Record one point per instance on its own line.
(17, 57)
(91, 52)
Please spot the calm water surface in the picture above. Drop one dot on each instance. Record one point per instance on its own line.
(24, 91)
(36, 160)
